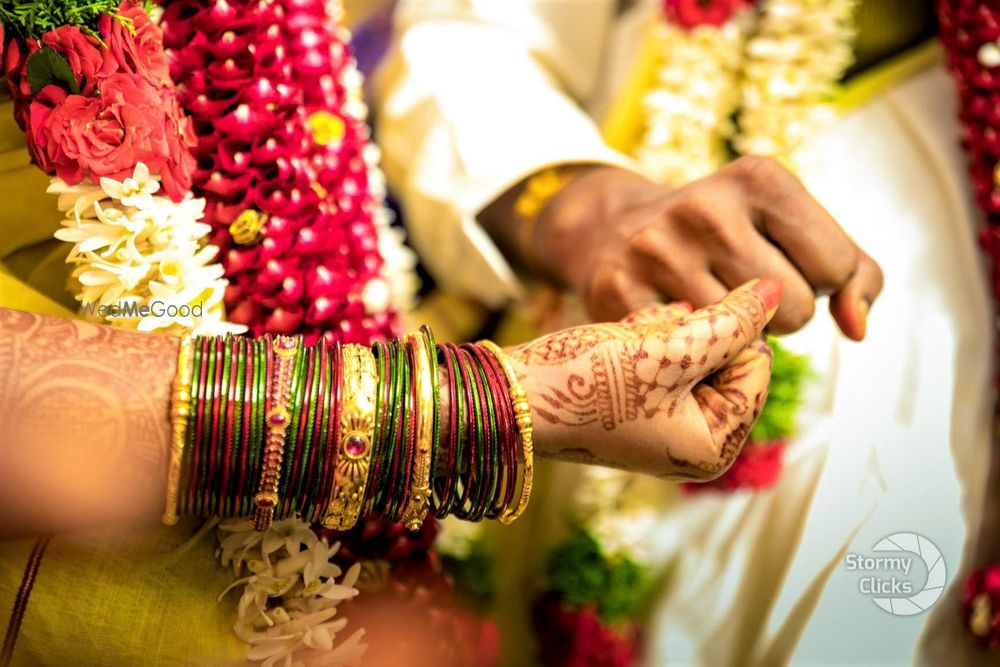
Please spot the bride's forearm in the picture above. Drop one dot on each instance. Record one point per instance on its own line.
(84, 423)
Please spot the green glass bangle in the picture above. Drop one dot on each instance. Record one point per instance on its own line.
(394, 487)
(446, 493)
(208, 398)
(477, 464)
(187, 478)
(392, 432)
(493, 433)
(258, 389)
(297, 390)
(304, 463)
(484, 463)
(462, 487)
(432, 359)
(378, 450)
(236, 439)
(382, 426)
(218, 472)
(314, 476)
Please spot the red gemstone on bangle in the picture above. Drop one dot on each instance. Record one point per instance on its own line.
(356, 445)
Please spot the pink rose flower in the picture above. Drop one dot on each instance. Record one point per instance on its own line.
(139, 50)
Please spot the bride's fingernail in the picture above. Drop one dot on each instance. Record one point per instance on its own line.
(769, 290)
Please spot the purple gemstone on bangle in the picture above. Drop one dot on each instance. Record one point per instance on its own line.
(278, 418)
(356, 445)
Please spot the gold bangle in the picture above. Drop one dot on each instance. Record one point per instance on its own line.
(180, 408)
(286, 349)
(522, 413)
(537, 192)
(357, 434)
(418, 501)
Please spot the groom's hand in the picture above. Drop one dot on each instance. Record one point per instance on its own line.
(623, 242)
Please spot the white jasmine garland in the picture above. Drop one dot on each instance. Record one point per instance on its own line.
(793, 63)
(140, 259)
(688, 112)
(289, 592)
(778, 83)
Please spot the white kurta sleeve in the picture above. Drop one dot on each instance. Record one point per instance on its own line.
(473, 97)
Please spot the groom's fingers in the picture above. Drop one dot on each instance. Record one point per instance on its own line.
(732, 398)
(711, 337)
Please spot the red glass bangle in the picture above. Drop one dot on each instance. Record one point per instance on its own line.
(197, 453)
(507, 429)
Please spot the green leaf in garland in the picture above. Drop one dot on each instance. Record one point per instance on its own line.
(789, 371)
(46, 67)
(34, 18)
(473, 575)
(579, 570)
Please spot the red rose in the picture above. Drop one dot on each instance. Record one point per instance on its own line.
(137, 47)
(89, 61)
(14, 65)
(693, 13)
(130, 121)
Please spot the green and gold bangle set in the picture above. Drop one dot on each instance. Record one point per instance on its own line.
(269, 428)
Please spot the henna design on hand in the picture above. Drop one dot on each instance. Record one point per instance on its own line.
(663, 364)
(87, 403)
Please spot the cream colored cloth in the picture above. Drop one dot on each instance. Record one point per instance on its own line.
(478, 93)
(474, 97)
(762, 575)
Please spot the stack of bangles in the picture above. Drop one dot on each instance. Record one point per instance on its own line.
(270, 428)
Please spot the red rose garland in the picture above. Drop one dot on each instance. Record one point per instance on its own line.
(118, 110)
(281, 161)
(970, 30)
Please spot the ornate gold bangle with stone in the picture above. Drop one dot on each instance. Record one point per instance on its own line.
(180, 408)
(522, 413)
(418, 501)
(277, 419)
(357, 433)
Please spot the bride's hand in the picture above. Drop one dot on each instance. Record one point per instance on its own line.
(666, 391)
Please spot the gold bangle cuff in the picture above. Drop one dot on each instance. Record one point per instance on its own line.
(357, 434)
(418, 501)
(180, 407)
